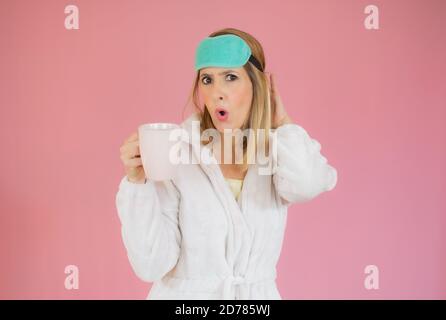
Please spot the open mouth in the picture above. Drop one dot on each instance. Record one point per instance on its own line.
(221, 114)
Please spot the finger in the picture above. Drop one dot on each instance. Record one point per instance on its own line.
(133, 163)
(273, 83)
(268, 81)
(133, 149)
(275, 91)
(128, 146)
(130, 149)
(133, 137)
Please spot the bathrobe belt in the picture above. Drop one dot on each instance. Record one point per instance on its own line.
(232, 281)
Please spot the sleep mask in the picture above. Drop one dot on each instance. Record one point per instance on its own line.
(227, 51)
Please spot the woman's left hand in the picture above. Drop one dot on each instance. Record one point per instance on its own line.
(280, 116)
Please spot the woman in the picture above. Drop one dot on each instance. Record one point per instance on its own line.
(215, 231)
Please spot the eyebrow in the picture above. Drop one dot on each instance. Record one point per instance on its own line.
(221, 73)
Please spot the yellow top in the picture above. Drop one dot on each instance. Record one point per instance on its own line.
(235, 185)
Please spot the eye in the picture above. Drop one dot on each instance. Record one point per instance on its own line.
(232, 77)
(203, 80)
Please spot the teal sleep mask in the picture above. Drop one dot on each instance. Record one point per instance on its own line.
(226, 51)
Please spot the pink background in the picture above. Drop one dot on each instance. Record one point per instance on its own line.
(374, 99)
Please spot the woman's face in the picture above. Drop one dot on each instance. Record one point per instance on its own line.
(227, 95)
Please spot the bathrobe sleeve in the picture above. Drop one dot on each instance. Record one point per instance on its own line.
(149, 226)
(302, 172)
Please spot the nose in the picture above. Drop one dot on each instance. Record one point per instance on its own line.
(218, 98)
(218, 93)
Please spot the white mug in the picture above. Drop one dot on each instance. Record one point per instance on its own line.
(155, 145)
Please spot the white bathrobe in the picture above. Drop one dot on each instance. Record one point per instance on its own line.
(191, 237)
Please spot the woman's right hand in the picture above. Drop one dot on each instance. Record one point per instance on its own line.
(131, 158)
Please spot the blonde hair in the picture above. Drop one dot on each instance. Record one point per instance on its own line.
(260, 116)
